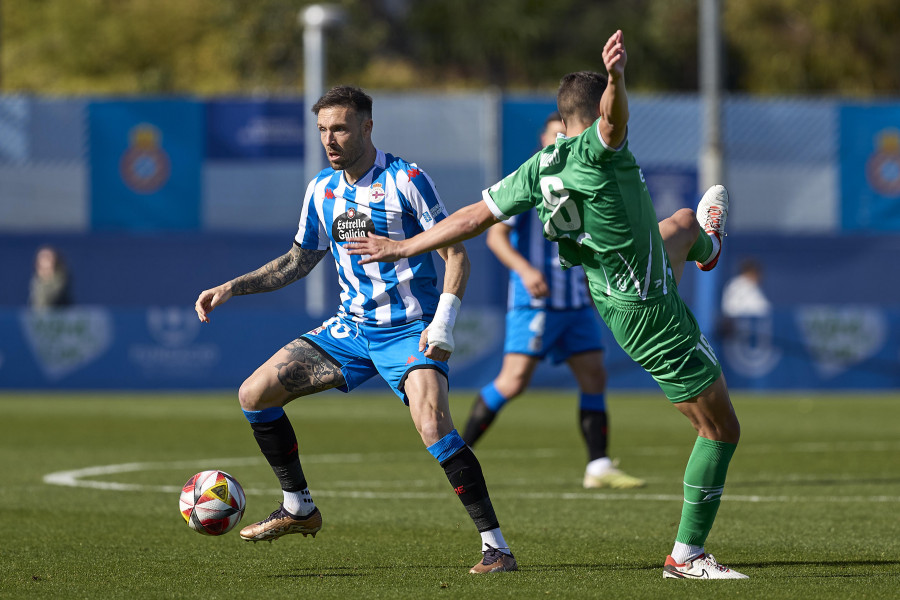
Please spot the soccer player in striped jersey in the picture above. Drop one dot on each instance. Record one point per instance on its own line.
(391, 322)
(591, 196)
(549, 315)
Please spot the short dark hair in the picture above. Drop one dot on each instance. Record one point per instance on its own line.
(579, 94)
(347, 96)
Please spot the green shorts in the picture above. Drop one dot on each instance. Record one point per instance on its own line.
(663, 337)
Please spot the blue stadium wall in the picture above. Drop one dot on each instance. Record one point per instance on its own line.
(134, 324)
(151, 201)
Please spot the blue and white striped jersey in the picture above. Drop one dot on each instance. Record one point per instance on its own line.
(568, 289)
(394, 199)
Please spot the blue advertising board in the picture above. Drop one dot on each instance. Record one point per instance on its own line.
(165, 347)
(145, 165)
(254, 129)
(870, 167)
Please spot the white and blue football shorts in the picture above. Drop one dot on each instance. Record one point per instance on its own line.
(558, 334)
(364, 351)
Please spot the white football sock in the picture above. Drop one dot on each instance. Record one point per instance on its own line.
(599, 467)
(494, 538)
(682, 553)
(715, 251)
(298, 503)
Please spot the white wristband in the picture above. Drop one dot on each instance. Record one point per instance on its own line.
(440, 332)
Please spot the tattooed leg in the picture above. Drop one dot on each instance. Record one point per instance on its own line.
(298, 369)
(307, 371)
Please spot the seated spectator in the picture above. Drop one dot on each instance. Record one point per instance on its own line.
(49, 287)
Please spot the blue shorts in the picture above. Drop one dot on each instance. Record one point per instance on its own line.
(558, 334)
(363, 351)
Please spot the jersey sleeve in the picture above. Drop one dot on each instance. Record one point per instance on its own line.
(311, 233)
(515, 193)
(420, 196)
(593, 148)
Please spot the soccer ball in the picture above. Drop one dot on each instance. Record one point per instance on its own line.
(212, 502)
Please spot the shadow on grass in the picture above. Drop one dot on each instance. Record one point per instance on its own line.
(737, 565)
(545, 568)
(550, 568)
(821, 563)
(322, 573)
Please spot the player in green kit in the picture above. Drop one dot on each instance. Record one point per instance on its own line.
(590, 194)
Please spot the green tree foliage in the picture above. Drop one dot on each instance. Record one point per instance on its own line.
(815, 46)
(241, 46)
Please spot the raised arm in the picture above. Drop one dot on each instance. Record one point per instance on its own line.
(614, 103)
(464, 224)
(286, 269)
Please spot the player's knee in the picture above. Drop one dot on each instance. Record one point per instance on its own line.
(685, 215)
(250, 395)
(430, 432)
(733, 431)
(594, 381)
(686, 219)
(516, 389)
(726, 429)
(430, 427)
(511, 386)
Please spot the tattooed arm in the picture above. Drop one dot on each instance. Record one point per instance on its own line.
(285, 269)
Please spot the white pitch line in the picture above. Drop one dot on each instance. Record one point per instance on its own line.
(78, 478)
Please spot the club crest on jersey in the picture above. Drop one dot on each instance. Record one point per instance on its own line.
(351, 224)
(377, 192)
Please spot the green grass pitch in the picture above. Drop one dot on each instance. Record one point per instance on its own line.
(811, 507)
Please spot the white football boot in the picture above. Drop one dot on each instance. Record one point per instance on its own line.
(711, 213)
(702, 567)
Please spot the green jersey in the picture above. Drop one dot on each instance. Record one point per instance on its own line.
(594, 202)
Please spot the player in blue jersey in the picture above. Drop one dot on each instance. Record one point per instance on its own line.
(392, 321)
(550, 314)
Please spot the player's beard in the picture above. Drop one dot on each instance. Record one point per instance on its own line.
(345, 159)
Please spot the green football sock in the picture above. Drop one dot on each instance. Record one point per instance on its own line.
(702, 248)
(704, 481)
